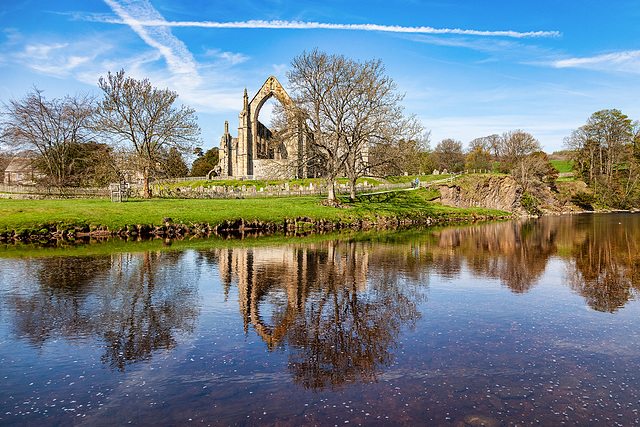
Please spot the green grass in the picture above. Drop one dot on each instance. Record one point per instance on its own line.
(34, 215)
(563, 166)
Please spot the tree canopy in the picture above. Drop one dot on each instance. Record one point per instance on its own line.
(604, 150)
(55, 130)
(349, 107)
(205, 162)
(146, 122)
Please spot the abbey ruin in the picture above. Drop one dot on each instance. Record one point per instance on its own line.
(255, 153)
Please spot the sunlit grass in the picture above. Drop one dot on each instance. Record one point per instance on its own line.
(37, 214)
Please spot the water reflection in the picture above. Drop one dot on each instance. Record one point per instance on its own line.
(327, 304)
(482, 324)
(134, 303)
(515, 252)
(605, 262)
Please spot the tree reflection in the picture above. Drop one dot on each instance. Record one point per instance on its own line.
(134, 303)
(514, 252)
(605, 262)
(339, 319)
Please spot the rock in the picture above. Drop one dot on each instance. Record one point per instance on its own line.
(479, 420)
(494, 192)
(508, 393)
(167, 220)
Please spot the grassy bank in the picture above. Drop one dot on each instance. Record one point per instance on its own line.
(34, 215)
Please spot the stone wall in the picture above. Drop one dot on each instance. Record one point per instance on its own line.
(278, 190)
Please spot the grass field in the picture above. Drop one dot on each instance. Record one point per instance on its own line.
(563, 166)
(38, 214)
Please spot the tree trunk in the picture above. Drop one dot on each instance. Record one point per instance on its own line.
(352, 188)
(332, 192)
(147, 192)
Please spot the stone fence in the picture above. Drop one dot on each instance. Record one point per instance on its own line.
(278, 190)
(55, 191)
(213, 192)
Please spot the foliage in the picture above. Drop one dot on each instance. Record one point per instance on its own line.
(604, 154)
(479, 159)
(530, 203)
(205, 162)
(173, 165)
(56, 130)
(145, 120)
(584, 200)
(412, 156)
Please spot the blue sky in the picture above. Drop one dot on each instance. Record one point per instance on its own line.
(468, 68)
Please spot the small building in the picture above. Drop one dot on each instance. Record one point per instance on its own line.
(21, 171)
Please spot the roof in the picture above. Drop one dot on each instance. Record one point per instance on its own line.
(20, 165)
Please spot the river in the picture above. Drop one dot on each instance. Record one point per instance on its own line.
(528, 322)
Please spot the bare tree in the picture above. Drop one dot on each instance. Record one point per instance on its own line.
(534, 166)
(349, 108)
(145, 120)
(53, 129)
(449, 154)
(516, 146)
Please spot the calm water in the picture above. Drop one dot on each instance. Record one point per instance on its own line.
(525, 322)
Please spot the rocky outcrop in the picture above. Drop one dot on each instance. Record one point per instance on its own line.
(485, 191)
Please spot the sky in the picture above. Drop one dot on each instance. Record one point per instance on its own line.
(467, 68)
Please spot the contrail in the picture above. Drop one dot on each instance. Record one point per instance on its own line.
(175, 52)
(301, 25)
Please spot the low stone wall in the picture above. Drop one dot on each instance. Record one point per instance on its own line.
(281, 190)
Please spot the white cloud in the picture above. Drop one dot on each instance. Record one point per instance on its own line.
(626, 61)
(59, 59)
(302, 25)
(228, 57)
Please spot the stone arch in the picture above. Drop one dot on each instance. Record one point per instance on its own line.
(251, 154)
(259, 131)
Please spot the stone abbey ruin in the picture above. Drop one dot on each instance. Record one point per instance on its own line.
(255, 152)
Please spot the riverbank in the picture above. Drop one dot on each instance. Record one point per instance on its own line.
(56, 219)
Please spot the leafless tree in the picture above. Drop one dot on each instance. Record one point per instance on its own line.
(54, 129)
(145, 120)
(516, 146)
(349, 107)
(449, 154)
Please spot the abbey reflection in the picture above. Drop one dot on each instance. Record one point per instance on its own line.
(277, 281)
(328, 303)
